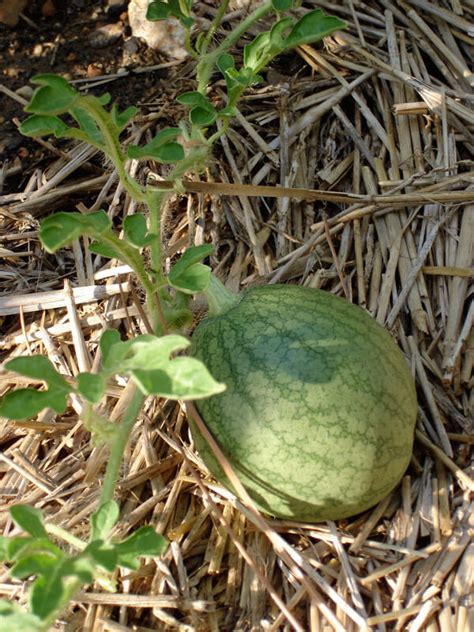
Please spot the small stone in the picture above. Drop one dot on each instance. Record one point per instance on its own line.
(37, 50)
(106, 35)
(166, 36)
(131, 45)
(93, 71)
(25, 91)
(115, 7)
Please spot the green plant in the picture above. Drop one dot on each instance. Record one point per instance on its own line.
(149, 361)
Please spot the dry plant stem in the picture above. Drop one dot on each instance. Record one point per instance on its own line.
(118, 445)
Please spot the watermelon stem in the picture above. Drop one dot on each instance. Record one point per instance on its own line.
(219, 298)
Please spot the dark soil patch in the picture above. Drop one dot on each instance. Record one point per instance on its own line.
(83, 39)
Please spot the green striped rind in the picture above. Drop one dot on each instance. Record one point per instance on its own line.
(319, 412)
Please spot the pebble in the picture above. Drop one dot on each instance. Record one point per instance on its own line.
(25, 91)
(93, 71)
(106, 35)
(115, 7)
(165, 36)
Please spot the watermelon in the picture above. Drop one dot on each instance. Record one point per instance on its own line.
(319, 412)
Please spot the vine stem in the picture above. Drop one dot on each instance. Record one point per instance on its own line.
(214, 26)
(63, 534)
(119, 443)
(206, 65)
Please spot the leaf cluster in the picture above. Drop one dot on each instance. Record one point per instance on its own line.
(56, 574)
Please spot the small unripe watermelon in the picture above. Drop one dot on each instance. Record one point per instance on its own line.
(319, 412)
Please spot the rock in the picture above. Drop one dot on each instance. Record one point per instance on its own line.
(25, 91)
(106, 35)
(115, 7)
(165, 36)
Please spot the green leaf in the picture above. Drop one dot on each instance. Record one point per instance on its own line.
(162, 10)
(81, 567)
(88, 125)
(29, 519)
(91, 386)
(176, 378)
(158, 11)
(276, 34)
(225, 62)
(184, 378)
(61, 229)
(282, 5)
(13, 618)
(38, 367)
(46, 594)
(103, 519)
(312, 27)
(121, 119)
(195, 99)
(109, 338)
(40, 563)
(104, 250)
(202, 116)
(103, 554)
(20, 547)
(103, 99)
(188, 274)
(143, 542)
(4, 541)
(161, 148)
(26, 402)
(136, 231)
(54, 96)
(146, 351)
(37, 125)
(16, 545)
(170, 152)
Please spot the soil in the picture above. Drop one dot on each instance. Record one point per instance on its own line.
(79, 39)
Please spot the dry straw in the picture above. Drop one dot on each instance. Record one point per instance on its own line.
(352, 172)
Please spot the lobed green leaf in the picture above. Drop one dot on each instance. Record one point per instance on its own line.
(312, 27)
(13, 618)
(136, 231)
(38, 367)
(61, 229)
(91, 386)
(40, 563)
(46, 594)
(43, 125)
(103, 555)
(143, 542)
(121, 119)
(27, 402)
(29, 519)
(189, 275)
(54, 96)
(103, 519)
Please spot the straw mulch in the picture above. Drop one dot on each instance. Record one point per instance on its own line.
(375, 129)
